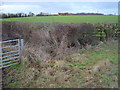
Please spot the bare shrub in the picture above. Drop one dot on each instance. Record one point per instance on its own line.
(54, 40)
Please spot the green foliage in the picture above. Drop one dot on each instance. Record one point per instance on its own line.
(37, 62)
(106, 31)
(96, 52)
(15, 84)
(107, 79)
(80, 66)
(17, 66)
(113, 59)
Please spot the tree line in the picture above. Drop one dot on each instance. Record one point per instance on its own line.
(13, 15)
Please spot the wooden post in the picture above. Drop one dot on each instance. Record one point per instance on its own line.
(22, 47)
(19, 50)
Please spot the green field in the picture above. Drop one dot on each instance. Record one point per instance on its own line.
(67, 19)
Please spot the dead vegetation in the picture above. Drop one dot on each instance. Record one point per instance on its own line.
(56, 40)
(50, 40)
(86, 70)
(61, 55)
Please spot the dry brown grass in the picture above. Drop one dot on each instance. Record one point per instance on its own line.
(87, 70)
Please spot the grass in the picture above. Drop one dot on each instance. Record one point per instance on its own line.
(15, 84)
(75, 71)
(67, 19)
(80, 66)
(17, 67)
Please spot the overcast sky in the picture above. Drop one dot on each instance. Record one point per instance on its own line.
(59, 0)
(109, 7)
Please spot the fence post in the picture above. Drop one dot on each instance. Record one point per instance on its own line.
(1, 55)
(19, 50)
(22, 47)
